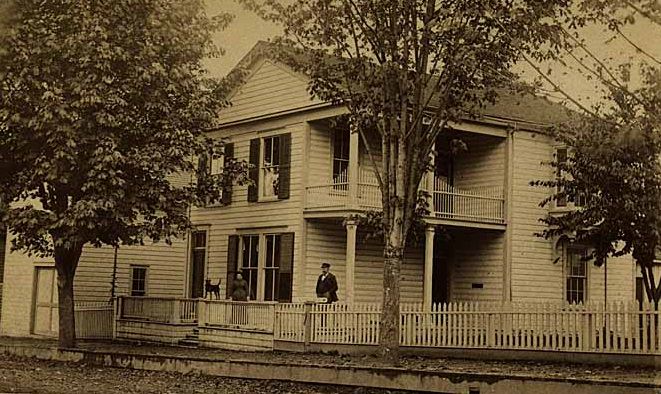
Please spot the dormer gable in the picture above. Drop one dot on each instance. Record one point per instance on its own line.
(270, 89)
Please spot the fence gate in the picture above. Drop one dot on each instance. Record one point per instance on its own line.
(44, 303)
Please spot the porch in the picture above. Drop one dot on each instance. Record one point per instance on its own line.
(450, 204)
(613, 328)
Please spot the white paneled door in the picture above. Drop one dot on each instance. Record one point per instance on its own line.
(45, 310)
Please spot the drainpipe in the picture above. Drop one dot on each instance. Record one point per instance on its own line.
(507, 192)
(113, 284)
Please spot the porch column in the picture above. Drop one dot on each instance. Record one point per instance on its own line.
(353, 165)
(352, 226)
(430, 183)
(429, 267)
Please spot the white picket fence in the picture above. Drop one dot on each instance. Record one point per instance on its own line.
(613, 328)
(94, 320)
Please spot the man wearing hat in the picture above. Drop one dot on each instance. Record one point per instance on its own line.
(327, 284)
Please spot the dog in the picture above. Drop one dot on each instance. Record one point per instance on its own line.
(212, 289)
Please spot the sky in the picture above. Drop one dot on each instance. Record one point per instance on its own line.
(247, 29)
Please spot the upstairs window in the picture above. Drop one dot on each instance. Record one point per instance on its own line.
(270, 166)
(270, 159)
(575, 199)
(341, 143)
(210, 166)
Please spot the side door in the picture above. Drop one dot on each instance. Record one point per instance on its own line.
(44, 306)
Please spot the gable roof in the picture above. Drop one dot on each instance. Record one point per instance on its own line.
(509, 107)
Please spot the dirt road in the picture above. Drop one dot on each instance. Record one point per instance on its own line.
(19, 375)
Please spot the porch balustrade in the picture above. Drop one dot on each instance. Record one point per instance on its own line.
(244, 315)
(477, 204)
(159, 309)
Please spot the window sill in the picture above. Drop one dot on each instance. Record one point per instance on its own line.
(268, 199)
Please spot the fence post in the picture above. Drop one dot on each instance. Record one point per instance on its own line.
(307, 324)
(116, 313)
(201, 313)
(175, 315)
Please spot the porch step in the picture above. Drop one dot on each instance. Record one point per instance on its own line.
(192, 339)
(189, 342)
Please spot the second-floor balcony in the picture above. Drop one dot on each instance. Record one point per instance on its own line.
(446, 202)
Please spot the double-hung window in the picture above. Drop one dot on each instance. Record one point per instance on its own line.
(139, 280)
(573, 198)
(576, 275)
(341, 143)
(270, 160)
(250, 262)
(265, 262)
(270, 167)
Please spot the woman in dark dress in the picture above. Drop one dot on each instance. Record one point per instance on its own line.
(239, 289)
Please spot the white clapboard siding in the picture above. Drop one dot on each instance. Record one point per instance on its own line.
(620, 279)
(243, 217)
(326, 241)
(165, 275)
(271, 88)
(482, 164)
(534, 276)
(478, 258)
(319, 163)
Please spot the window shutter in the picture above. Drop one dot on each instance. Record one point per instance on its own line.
(561, 156)
(232, 261)
(253, 172)
(227, 191)
(202, 166)
(285, 166)
(286, 267)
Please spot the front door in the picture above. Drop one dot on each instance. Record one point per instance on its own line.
(198, 263)
(45, 310)
(441, 272)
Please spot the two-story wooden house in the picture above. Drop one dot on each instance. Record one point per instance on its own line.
(312, 175)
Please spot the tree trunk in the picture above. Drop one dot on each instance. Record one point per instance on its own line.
(66, 261)
(389, 330)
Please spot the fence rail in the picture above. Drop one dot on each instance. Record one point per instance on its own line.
(613, 327)
(246, 315)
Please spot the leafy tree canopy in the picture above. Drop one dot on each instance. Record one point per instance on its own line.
(102, 111)
(101, 107)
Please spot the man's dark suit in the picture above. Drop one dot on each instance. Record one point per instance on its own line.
(327, 287)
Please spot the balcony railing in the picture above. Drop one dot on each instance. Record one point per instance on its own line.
(480, 204)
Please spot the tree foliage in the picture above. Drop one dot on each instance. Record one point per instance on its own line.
(614, 165)
(102, 112)
(405, 69)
